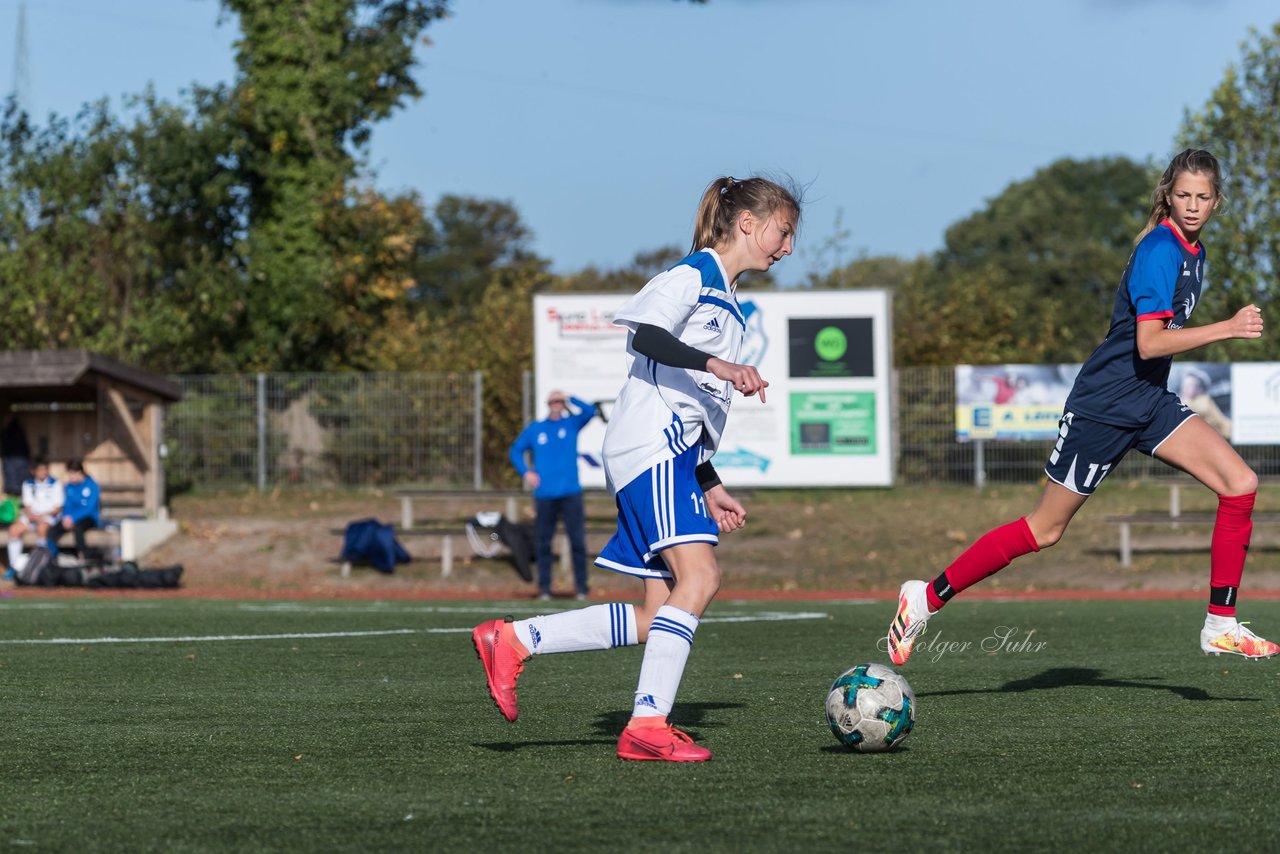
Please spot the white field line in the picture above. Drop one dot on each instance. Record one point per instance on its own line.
(762, 617)
(199, 638)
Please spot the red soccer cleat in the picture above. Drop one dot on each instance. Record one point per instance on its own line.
(503, 660)
(663, 743)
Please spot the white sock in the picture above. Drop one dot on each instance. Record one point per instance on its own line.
(597, 627)
(665, 653)
(15, 553)
(1218, 623)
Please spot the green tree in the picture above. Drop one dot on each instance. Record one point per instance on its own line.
(1032, 276)
(495, 336)
(1239, 124)
(629, 279)
(467, 240)
(313, 79)
(236, 231)
(117, 238)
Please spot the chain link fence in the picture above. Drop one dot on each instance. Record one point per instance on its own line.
(929, 453)
(269, 430)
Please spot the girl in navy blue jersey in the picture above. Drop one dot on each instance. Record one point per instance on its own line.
(1119, 402)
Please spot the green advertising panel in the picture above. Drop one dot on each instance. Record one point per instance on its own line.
(833, 422)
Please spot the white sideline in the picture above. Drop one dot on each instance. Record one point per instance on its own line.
(198, 638)
(762, 617)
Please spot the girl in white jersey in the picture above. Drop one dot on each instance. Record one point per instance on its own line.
(685, 336)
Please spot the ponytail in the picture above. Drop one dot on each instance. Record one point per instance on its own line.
(726, 198)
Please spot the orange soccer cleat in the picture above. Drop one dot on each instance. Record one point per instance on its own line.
(503, 657)
(664, 743)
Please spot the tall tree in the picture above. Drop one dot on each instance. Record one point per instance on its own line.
(1032, 276)
(467, 241)
(629, 279)
(116, 238)
(1239, 124)
(313, 79)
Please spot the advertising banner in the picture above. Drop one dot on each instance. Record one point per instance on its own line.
(1011, 402)
(826, 356)
(1254, 408)
(1025, 402)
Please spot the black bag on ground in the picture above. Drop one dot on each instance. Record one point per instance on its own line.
(38, 570)
(130, 575)
(490, 532)
(519, 538)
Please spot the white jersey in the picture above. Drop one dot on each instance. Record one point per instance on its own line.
(42, 497)
(663, 411)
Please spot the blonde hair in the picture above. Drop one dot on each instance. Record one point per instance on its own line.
(726, 198)
(1190, 160)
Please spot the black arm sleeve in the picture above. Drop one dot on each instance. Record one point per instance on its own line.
(706, 475)
(666, 349)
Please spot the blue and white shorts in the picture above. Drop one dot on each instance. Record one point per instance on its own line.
(1088, 450)
(662, 508)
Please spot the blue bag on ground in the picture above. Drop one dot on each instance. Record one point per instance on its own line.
(373, 542)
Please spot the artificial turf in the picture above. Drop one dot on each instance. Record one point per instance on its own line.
(1091, 726)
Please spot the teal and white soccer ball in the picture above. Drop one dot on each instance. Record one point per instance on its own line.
(871, 708)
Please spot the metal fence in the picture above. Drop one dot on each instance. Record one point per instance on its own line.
(929, 453)
(270, 430)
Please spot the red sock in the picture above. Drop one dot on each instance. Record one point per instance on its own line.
(993, 551)
(1227, 551)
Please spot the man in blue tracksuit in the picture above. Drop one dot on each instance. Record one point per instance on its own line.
(553, 442)
(80, 508)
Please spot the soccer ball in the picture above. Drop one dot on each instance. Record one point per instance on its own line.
(871, 708)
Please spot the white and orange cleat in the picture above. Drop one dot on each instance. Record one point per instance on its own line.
(1236, 641)
(908, 624)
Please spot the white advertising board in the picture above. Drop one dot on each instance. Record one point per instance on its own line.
(825, 420)
(1255, 403)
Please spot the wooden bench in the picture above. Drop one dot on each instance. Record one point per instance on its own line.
(1175, 484)
(509, 497)
(408, 496)
(102, 543)
(449, 532)
(1126, 523)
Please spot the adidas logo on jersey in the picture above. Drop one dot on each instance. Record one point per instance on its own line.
(712, 324)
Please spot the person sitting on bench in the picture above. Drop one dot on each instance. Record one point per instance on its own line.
(41, 505)
(80, 512)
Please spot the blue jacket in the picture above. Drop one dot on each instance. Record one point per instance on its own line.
(82, 501)
(554, 444)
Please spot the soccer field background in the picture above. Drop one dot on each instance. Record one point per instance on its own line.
(181, 725)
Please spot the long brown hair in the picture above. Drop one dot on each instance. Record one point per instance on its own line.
(1190, 160)
(726, 198)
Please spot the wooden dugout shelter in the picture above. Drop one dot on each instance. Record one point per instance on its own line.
(76, 404)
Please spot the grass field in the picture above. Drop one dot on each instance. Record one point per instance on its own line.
(166, 725)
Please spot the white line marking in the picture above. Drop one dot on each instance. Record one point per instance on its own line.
(199, 638)
(762, 617)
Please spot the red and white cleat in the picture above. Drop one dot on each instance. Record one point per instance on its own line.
(908, 624)
(1236, 641)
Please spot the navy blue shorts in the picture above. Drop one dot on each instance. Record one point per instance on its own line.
(1088, 450)
(662, 508)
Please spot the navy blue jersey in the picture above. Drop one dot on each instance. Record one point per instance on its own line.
(1161, 282)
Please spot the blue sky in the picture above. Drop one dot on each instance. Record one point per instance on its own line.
(603, 120)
